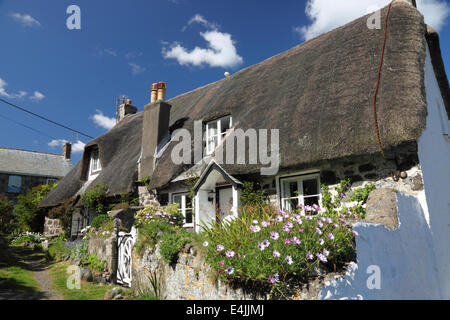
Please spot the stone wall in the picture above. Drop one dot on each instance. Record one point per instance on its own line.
(104, 244)
(191, 278)
(52, 227)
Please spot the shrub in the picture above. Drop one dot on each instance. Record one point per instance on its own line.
(29, 216)
(252, 195)
(99, 220)
(172, 244)
(7, 219)
(96, 198)
(154, 222)
(95, 263)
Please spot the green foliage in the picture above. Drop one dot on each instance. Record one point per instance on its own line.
(96, 198)
(99, 220)
(145, 181)
(262, 242)
(95, 263)
(172, 244)
(29, 216)
(80, 251)
(251, 194)
(7, 218)
(191, 181)
(28, 237)
(134, 202)
(63, 212)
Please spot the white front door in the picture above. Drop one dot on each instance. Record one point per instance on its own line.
(225, 196)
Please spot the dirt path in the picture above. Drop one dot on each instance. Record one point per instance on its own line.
(42, 276)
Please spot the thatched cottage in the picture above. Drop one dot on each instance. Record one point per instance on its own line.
(320, 97)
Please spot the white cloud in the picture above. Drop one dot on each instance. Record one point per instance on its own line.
(103, 121)
(136, 69)
(327, 15)
(4, 93)
(198, 18)
(37, 96)
(76, 148)
(133, 55)
(26, 20)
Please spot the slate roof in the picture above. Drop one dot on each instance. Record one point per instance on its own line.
(31, 163)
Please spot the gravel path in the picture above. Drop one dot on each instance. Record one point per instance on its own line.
(42, 276)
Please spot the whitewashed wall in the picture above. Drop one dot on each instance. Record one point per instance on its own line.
(414, 260)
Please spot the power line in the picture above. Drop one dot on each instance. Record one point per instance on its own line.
(25, 126)
(44, 118)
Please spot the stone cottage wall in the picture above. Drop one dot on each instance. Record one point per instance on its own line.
(52, 227)
(104, 244)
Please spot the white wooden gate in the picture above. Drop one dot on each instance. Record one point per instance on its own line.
(125, 243)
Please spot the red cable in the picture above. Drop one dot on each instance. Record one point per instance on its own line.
(378, 82)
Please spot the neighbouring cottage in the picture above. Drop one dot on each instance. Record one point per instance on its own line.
(21, 170)
(310, 111)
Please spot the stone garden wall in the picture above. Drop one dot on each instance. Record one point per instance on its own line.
(104, 244)
(52, 227)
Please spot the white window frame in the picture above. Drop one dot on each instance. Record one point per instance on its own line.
(299, 178)
(219, 135)
(183, 208)
(94, 162)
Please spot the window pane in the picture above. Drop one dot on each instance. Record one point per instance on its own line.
(309, 201)
(290, 204)
(225, 124)
(177, 199)
(188, 217)
(290, 189)
(310, 187)
(188, 202)
(14, 184)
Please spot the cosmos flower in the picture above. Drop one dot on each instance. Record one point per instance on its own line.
(318, 231)
(287, 241)
(255, 222)
(205, 244)
(265, 224)
(328, 220)
(321, 257)
(276, 254)
(279, 218)
(301, 230)
(296, 241)
(326, 253)
(274, 278)
(222, 263)
(274, 235)
(289, 260)
(230, 270)
(321, 242)
(230, 253)
(331, 236)
(255, 229)
(220, 247)
(309, 256)
(320, 224)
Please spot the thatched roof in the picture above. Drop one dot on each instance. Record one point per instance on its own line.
(318, 94)
(119, 151)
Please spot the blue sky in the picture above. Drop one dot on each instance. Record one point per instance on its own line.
(74, 76)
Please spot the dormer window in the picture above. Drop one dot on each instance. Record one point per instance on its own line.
(94, 165)
(216, 131)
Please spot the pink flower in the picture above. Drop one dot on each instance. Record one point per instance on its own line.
(331, 236)
(321, 242)
(326, 253)
(321, 257)
(230, 253)
(255, 229)
(274, 235)
(318, 231)
(289, 260)
(279, 218)
(309, 256)
(220, 247)
(276, 254)
(255, 222)
(287, 241)
(296, 241)
(320, 224)
(274, 278)
(222, 263)
(301, 230)
(265, 224)
(230, 270)
(329, 221)
(286, 229)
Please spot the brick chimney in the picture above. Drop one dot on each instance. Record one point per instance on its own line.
(155, 128)
(67, 150)
(126, 109)
(411, 2)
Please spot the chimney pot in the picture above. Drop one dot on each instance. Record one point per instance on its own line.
(154, 93)
(162, 87)
(126, 109)
(67, 150)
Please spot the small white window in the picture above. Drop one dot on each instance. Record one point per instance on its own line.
(216, 131)
(94, 165)
(186, 208)
(297, 190)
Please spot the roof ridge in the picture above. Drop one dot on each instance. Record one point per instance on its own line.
(40, 152)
